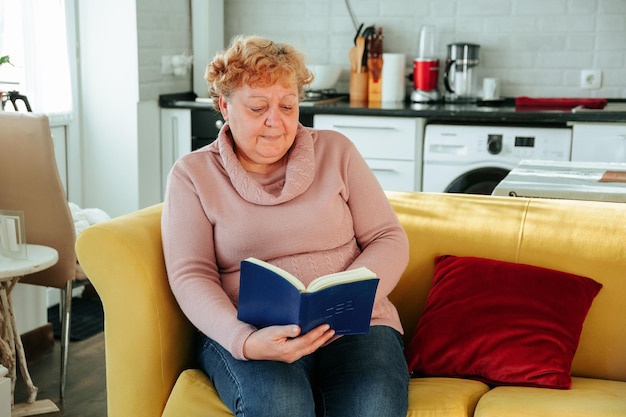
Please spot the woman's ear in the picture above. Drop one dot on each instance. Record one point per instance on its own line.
(223, 107)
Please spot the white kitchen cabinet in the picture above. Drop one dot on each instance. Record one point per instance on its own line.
(391, 146)
(175, 139)
(599, 142)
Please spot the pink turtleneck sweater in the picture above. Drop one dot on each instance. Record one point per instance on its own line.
(323, 212)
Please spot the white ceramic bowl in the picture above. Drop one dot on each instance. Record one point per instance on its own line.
(326, 76)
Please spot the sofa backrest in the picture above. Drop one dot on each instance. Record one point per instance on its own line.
(580, 237)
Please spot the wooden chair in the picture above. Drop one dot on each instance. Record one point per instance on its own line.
(30, 182)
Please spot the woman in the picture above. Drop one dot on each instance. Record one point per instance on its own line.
(305, 201)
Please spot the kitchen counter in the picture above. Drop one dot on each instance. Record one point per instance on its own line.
(503, 113)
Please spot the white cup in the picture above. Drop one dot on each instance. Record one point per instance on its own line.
(491, 89)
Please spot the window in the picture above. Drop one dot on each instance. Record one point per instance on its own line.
(33, 33)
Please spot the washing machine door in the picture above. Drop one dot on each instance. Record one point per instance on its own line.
(479, 181)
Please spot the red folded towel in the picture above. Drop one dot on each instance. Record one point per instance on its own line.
(560, 103)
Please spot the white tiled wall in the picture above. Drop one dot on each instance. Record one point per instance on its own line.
(535, 47)
(163, 28)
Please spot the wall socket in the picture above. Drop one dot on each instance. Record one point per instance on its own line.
(591, 79)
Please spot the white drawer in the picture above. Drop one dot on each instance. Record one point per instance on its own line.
(375, 137)
(394, 175)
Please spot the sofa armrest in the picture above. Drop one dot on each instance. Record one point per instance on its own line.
(149, 342)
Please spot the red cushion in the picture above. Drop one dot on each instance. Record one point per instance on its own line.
(501, 323)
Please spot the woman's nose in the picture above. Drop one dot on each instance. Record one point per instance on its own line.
(272, 117)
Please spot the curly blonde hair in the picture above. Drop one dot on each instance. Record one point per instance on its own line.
(257, 62)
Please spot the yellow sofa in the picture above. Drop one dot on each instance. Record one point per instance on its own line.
(149, 343)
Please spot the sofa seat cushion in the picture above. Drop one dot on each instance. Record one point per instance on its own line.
(193, 395)
(587, 397)
(444, 397)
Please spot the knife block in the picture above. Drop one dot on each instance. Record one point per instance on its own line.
(374, 89)
(358, 86)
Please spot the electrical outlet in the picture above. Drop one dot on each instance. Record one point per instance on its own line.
(591, 79)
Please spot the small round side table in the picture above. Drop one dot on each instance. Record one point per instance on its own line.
(11, 270)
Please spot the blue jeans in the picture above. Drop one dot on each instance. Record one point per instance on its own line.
(358, 375)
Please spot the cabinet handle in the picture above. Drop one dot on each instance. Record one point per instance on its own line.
(383, 169)
(364, 127)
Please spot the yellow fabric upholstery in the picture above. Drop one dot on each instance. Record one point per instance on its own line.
(193, 395)
(149, 343)
(444, 397)
(581, 237)
(588, 397)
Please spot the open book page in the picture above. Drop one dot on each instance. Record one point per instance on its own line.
(289, 277)
(318, 283)
(343, 277)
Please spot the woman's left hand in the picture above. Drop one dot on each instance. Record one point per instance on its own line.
(285, 343)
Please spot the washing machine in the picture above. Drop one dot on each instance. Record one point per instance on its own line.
(474, 159)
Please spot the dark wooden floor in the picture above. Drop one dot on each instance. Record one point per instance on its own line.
(85, 393)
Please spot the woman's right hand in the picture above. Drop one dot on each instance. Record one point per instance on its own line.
(284, 343)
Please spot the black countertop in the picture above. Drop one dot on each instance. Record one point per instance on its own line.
(503, 112)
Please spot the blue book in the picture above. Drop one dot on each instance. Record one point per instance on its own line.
(269, 295)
